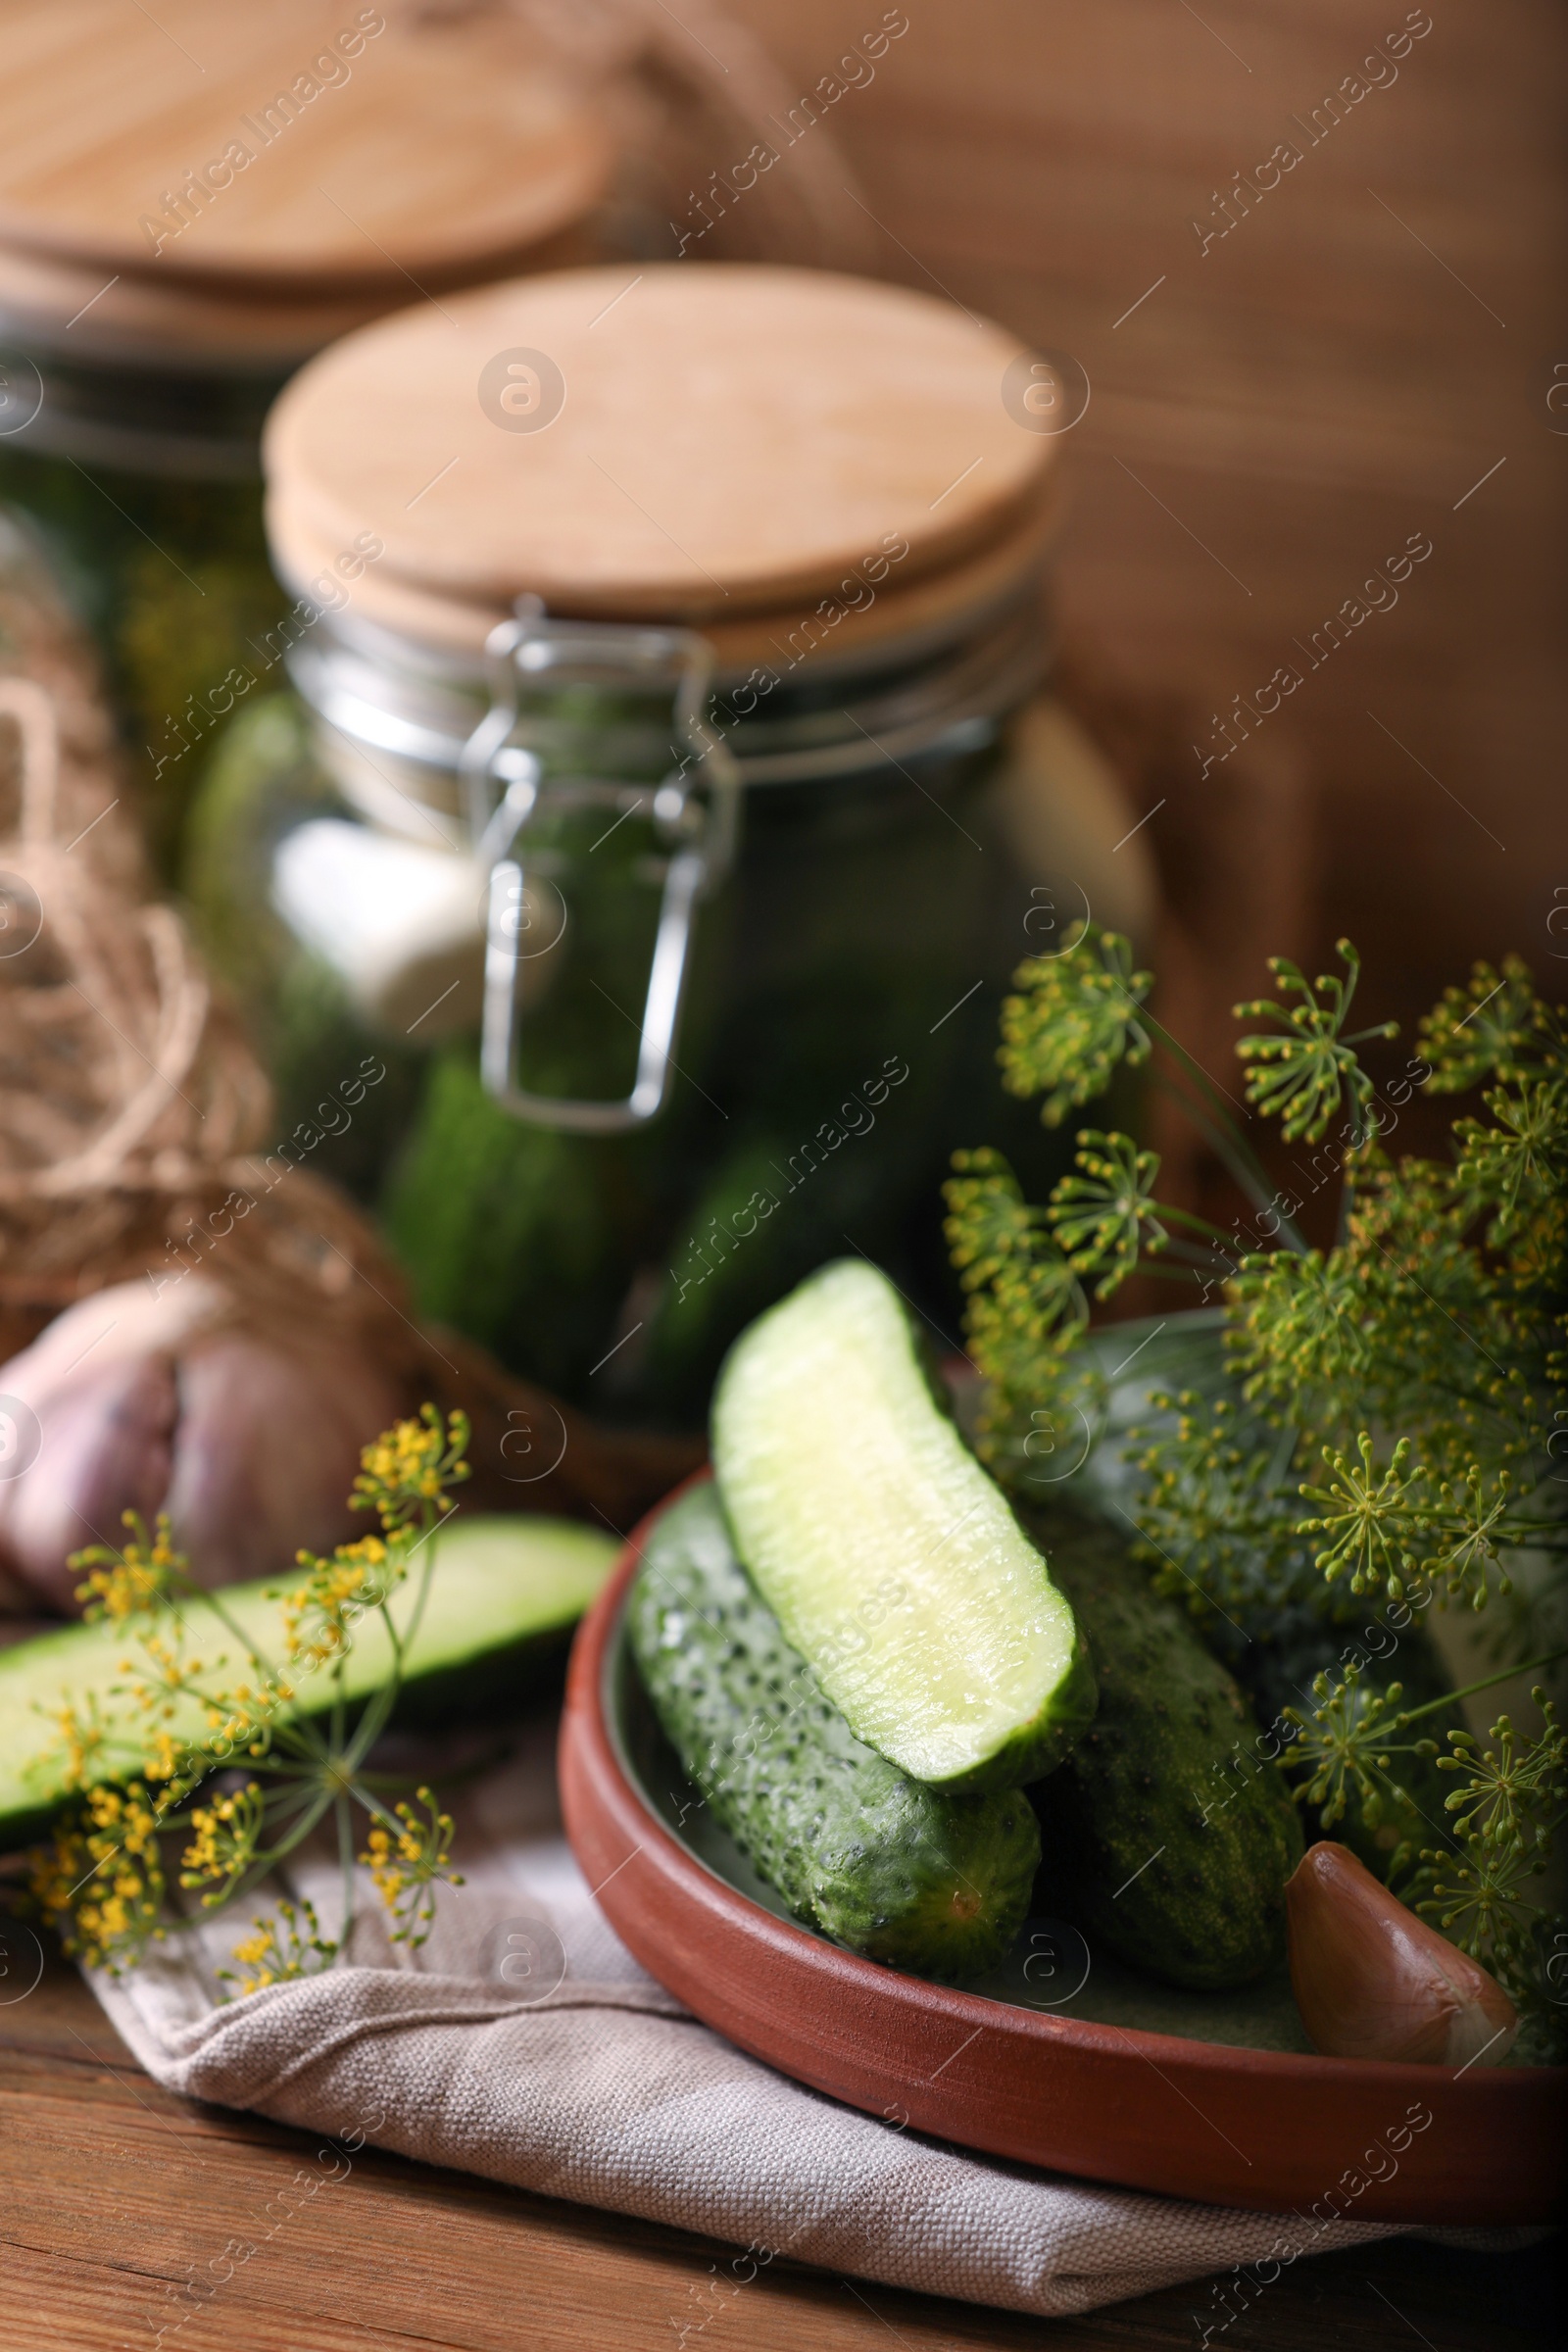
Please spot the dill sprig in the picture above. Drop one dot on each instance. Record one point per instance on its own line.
(243, 1791)
(1392, 1422)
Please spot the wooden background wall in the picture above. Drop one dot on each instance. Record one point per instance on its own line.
(1289, 406)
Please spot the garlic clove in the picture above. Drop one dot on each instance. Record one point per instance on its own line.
(1373, 1981)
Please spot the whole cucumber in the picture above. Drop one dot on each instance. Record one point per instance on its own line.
(1167, 1832)
(925, 1880)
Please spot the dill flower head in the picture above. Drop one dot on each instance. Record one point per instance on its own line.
(1493, 1021)
(285, 1947)
(134, 1582)
(1302, 1076)
(317, 1616)
(83, 1736)
(1075, 1017)
(409, 1466)
(224, 1836)
(101, 1884)
(407, 1858)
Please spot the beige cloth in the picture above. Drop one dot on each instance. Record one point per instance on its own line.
(601, 2089)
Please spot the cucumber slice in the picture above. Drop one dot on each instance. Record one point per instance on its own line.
(504, 1595)
(918, 1878)
(890, 1558)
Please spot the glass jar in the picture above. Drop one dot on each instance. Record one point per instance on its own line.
(681, 949)
(169, 259)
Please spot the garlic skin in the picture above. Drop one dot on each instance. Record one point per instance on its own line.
(250, 1442)
(1373, 1981)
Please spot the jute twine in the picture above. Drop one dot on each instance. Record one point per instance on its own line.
(132, 1112)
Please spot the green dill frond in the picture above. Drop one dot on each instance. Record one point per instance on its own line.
(1493, 1022)
(1519, 1164)
(1106, 1217)
(1302, 1076)
(1074, 1019)
(1025, 1307)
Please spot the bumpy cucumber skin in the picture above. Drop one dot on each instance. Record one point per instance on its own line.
(923, 1879)
(1032, 1747)
(1167, 1832)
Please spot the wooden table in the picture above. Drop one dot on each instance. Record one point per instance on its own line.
(114, 2193)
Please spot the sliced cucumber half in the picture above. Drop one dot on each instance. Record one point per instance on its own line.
(892, 1560)
(504, 1596)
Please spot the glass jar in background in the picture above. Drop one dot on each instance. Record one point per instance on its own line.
(666, 802)
(190, 206)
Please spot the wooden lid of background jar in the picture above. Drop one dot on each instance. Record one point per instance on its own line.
(701, 443)
(310, 159)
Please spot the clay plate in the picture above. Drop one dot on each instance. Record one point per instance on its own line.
(1115, 2078)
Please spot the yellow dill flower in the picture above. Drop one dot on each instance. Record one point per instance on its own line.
(319, 1614)
(409, 1467)
(408, 1862)
(80, 1742)
(134, 1582)
(174, 1763)
(101, 1884)
(173, 1674)
(224, 1840)
(288, 1945)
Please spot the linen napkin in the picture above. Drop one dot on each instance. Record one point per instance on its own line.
(523, 2042)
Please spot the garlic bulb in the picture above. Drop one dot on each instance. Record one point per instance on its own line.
(1373, 1981)
(133, 1402)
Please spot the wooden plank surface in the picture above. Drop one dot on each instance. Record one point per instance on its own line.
(1367, 354)
(117, 2198)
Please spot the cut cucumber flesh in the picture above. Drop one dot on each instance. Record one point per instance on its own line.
(891, 1559)
(503, 1594)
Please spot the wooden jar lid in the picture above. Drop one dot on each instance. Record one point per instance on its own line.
(310, 159)
(732, 440)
